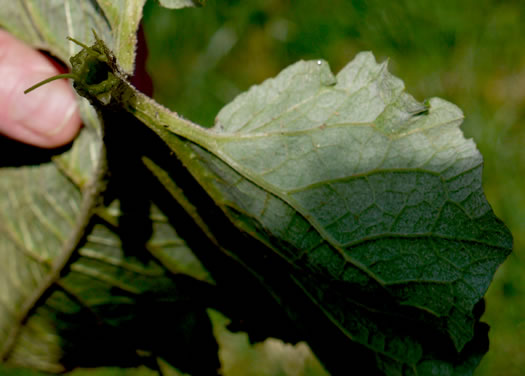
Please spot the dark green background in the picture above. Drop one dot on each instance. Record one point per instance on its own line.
(470, 52)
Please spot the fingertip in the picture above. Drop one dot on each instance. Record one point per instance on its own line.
(64, 131)
(46, 117)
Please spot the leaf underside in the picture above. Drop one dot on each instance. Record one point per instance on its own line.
(372, 195)
(391, 188)
(178, 4)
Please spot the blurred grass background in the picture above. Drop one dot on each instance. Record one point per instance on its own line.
(469, 52)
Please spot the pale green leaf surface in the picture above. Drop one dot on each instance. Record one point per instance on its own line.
(46, 24)
(37, 227)
(46, 206)
(102, 294)
(124, 17)
(393, 188)
(240, 357)
(172, 251)
(178, 4)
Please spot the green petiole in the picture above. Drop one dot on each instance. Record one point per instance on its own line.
(47, 80)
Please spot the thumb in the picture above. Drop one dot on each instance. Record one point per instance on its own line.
(46, 117)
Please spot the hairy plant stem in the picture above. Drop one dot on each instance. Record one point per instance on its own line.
(150, 112)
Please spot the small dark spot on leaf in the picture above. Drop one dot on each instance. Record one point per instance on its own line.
(509, 290)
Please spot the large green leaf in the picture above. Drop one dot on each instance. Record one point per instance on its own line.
(373, 198)
(392, 188)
